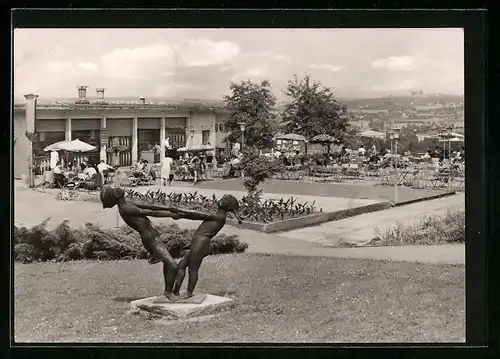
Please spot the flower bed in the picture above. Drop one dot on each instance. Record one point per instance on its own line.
(64, 243)
(252, 207)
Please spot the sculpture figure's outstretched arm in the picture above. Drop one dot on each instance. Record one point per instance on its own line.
(156, 213)
(193, 215)
(154, 207)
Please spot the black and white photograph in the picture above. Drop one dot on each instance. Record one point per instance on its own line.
(225, 185)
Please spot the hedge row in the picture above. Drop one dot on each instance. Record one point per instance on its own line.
(64, 243)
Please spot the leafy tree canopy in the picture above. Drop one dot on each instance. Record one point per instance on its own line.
(314, 110)
(255, 105)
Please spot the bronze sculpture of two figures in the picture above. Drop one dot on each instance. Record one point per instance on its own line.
(136, 216)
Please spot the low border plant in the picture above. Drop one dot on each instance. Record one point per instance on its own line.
(252, 206)
(64, 243)
(449, 228)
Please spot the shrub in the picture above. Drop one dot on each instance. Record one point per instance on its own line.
(257, 169)
(91, 242)
(449, 228)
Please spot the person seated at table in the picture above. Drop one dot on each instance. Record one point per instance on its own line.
(146, 168)
(297, 159)
(89, 172)
(59, 177)
(374, 158)
(361, 150)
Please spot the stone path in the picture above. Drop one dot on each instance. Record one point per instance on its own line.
(361, 189)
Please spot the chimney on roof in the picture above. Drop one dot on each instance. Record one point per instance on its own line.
(100, 96)
(143, 100)
(82, 95)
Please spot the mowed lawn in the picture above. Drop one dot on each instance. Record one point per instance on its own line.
(278, 299)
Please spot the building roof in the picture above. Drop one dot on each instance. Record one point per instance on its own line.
(193, 105)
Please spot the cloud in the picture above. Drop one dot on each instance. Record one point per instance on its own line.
(205, 52)
(175, 89)
(327, 67)
(202, 62)
(250, 74)
(61, 66)
(88, 66)
(258, 65)
(139, 62)
(148, 61)
(396, 63)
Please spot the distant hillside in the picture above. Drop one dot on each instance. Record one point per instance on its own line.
(383, 103)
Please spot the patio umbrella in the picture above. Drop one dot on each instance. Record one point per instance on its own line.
(454, 139)
(372, 134)
(194, 148)
(324, 139)
(291, 137)
(76, 146)
(55, 146)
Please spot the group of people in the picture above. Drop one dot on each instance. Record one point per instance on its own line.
(382, 158)
(195, 165)
(84, 172)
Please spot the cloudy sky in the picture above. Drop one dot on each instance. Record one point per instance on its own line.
(200, 63)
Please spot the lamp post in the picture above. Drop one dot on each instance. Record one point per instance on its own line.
(395, 132)
(242, 129)
(391, 137)
(191, 135)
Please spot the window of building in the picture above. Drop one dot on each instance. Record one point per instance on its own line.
(147, 139)
(205, 137)
(176, 136)
(44, 139)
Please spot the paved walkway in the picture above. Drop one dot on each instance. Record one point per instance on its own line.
(361, 229)
(361, 189)
(33, 207)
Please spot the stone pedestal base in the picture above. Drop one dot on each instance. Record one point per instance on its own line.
(200, 304)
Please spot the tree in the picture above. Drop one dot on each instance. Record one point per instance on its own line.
(255, 105)
(376, 124)
(314, 110)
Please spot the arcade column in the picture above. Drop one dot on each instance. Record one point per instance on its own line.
(162, 139)
(135, 140)
(104, 140)
(67, 135)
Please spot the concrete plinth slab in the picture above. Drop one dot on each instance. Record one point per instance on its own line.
(180, 309)
(195, 299)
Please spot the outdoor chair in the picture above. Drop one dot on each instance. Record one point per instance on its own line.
(74, 183)
(459, 178)
(352, 171)
(91, 184)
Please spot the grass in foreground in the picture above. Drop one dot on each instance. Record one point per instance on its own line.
(279, 299)
(449, 228)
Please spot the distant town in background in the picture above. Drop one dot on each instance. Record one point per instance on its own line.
(426, 112)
